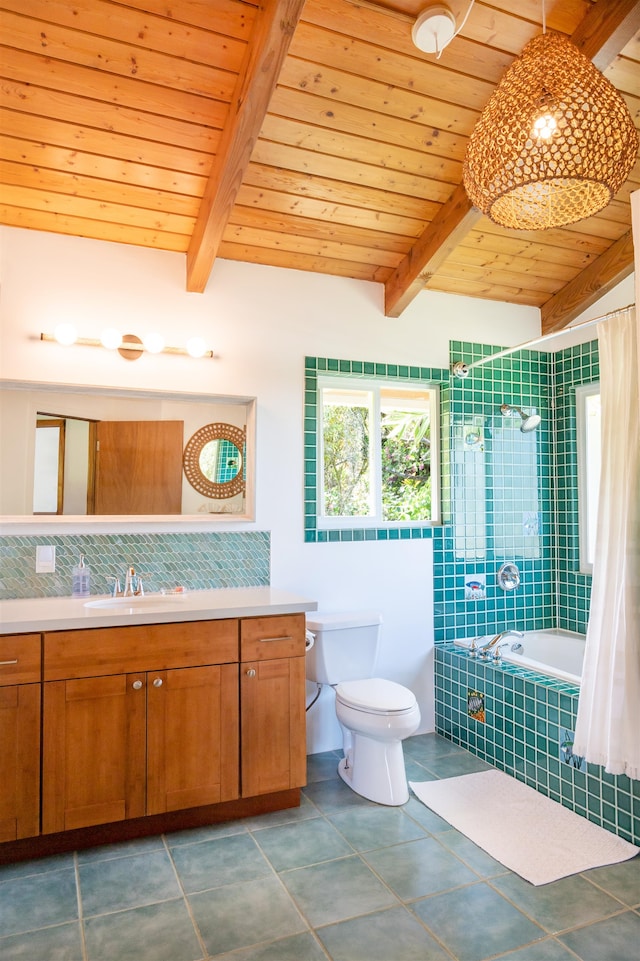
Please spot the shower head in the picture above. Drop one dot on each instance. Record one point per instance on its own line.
(529, 421)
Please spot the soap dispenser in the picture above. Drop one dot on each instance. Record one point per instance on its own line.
(81, 579)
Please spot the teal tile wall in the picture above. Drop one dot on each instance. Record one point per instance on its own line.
(476, 539)
(197, 561)
(525, 715)
(524, 711)
(553, 591)
(572, 367)
(358, 368)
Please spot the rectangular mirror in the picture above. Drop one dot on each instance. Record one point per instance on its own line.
(95, 454)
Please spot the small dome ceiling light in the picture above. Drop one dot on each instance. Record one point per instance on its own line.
(434, 28)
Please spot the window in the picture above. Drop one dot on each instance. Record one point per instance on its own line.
(377, 453)
(588, 435)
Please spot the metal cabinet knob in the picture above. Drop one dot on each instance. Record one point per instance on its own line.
(157, 682)
(136, 685)
(251, 672)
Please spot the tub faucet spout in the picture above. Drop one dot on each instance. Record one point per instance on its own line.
(495, 643)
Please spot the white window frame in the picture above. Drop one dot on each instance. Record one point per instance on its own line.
(588, 483)
(375, 386)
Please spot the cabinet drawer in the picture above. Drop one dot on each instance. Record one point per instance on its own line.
(264, 638)
(19, 659)
(146, 647)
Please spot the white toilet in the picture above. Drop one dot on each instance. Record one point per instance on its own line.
(375, 714)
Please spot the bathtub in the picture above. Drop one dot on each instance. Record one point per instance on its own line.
(553, 652)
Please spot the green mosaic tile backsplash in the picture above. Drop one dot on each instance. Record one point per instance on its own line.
(197, 561)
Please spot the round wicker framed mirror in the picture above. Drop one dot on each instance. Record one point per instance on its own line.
(213, 460)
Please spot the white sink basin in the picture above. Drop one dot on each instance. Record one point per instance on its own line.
(139, 602)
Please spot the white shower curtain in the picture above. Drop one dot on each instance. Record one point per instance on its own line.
(608, 726)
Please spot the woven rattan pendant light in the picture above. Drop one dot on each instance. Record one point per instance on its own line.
(554, 143)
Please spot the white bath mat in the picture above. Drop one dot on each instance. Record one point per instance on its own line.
(529, 833)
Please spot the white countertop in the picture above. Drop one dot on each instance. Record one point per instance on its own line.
(23, 615)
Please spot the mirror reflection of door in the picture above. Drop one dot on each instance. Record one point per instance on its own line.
(48, 488)
(73, 465)
(138, 468)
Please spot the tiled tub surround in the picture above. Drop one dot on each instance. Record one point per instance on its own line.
(555, 652)
(337, 879)
(194, 560)
(525, 717)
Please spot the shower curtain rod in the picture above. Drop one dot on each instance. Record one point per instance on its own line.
(460, 369)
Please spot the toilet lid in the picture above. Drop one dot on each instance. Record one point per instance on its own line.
(377, 695)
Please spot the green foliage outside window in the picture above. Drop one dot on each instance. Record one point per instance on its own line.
(346, 461)
(405, 462)
(406, 465)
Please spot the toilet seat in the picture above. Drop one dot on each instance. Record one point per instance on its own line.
(376, 695)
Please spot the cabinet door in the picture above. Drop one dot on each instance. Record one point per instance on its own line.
(93, 751)
(273, 738)
(192, 737)
(19, 761)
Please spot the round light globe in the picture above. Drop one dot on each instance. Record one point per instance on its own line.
(65, 334)
(154, 343)
(196, 347)
(111, 338)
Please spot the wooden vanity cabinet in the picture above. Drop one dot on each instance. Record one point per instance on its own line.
(138, 720)
(20, 665)
(272, 699)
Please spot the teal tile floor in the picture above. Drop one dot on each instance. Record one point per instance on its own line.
(339, 878)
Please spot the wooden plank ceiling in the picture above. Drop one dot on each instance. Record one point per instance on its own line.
(311, 135)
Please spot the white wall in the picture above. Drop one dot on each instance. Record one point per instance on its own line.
(261, 322)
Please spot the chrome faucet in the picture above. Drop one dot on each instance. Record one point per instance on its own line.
(116, 590)
(496, 645)
(132, 584)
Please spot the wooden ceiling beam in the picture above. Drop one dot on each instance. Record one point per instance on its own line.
(451, 224)
(601, 276)
(601, 35)
(270, 39)
(606, 30)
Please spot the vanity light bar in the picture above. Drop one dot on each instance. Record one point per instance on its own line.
(128, 345)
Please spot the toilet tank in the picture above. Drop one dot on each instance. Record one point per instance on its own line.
(345, 647)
